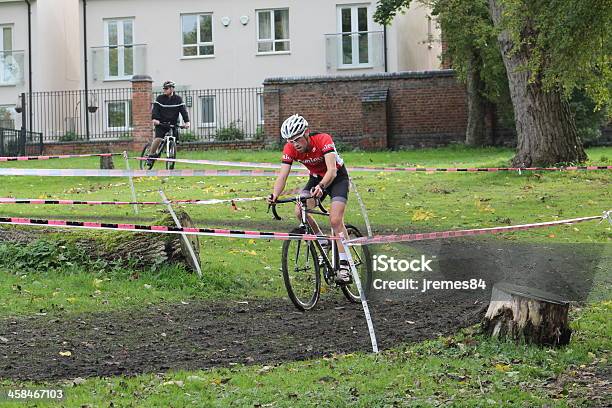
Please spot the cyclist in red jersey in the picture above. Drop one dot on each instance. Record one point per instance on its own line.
(328, 176)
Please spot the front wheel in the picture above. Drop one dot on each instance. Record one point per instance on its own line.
(171, 153)
(363, 263)
(146, 151)
(300, 267)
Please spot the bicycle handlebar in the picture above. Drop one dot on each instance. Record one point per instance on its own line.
(302, 199)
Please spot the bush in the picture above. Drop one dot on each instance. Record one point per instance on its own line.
(188, 137)
(588, 120)
(69, 136)
(232, 132)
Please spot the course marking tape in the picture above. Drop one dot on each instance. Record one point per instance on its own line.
(390, 169)
(137, 173)
(283, 236)
(61, 156)
(383, 239)
(8, 200)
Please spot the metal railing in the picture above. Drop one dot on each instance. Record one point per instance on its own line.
(12, 67)
(354, 50)
(13, 144)
(60, 115)
(223, 114)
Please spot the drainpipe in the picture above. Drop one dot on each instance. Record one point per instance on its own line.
(385, 41)
(85, 68)
(30, 111)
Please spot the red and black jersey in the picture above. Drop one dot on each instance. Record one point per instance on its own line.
(314, 160)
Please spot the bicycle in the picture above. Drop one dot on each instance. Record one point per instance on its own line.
(168, 145)
(302, 261)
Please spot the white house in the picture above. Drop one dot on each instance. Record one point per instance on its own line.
(233, 44)
(201, 45)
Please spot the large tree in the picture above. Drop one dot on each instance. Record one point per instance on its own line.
(549, 48)
(471, 46)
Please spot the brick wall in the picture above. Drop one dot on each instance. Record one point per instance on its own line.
(421, 109)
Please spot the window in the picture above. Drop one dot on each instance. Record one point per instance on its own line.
(7, 60)
(7, 116)
(272, 31)
(197, 35)
(208, 103)
(354, 40)
(260, 108)
(119, 35)
(119, 115)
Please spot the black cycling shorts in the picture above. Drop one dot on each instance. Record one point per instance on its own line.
(338, 190)
(161, 130)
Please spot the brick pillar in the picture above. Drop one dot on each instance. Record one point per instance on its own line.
(142, 96)
(272, 117)
(374, 119)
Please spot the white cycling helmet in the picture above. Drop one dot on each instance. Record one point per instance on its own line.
(293, 126)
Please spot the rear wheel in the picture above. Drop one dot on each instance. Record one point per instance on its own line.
(145, 153)
(301, 272)
(363, 263)
(171, 154)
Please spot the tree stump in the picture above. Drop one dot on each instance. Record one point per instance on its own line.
(527, 314)
(106, 162)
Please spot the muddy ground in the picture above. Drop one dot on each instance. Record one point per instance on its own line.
(204, 334)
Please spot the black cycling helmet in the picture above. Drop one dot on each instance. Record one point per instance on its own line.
(169, 84)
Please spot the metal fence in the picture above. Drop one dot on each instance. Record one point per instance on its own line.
(215, 114)
(12, 143)
(223, 114)
(63, 116)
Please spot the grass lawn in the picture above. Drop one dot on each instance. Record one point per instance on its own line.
(463, 370)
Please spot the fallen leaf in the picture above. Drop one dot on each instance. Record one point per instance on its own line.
(65, 353)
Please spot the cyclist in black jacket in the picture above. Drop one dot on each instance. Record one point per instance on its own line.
(166, 110)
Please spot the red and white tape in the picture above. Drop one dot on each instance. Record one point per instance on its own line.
(61, 156)
(391, 169)
(138, 173)
(282, 236)
(379, 239)
(385, 239)
(9, 200)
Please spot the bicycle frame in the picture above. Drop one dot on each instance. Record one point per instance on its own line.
(330, 265)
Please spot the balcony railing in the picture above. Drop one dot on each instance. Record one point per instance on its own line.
(355, 50)
(115, 63)
(12, 67)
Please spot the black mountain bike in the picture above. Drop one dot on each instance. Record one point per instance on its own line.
(302, 261)
(168, 145)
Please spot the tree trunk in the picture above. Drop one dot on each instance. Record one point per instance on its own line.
(545, 126)
(526, 314)
(476, 132)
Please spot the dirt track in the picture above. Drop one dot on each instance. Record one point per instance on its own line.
(204, 334)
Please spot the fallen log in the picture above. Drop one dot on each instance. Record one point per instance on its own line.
(527, 315)
(138, 250)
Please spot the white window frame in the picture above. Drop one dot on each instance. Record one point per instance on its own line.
(11, 110)
(272, 33)
(199, 42)
(6, 80)
(126, 118)
(121, 75)
(212, 124)
(354, 35)
(260, 108)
